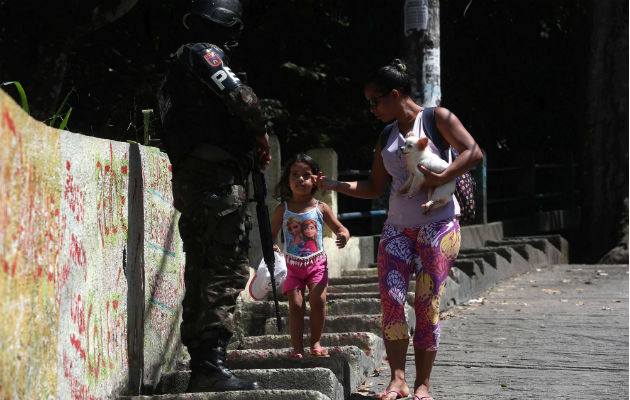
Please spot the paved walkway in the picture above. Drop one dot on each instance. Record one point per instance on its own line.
(560, 332)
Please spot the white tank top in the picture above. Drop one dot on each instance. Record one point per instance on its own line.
(405, 212)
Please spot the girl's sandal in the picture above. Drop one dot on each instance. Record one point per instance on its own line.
(295, 355)
(319, 353)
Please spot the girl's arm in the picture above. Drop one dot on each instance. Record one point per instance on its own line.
(457, 136)
(276, 225)
(342, 233)
(371, 188)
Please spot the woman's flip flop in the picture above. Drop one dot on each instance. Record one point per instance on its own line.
(415, 396)
(318, 353)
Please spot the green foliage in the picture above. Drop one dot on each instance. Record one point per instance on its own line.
(21, 93)
(55, 117)
(57, 114)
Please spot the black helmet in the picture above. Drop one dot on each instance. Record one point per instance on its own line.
(227, 13)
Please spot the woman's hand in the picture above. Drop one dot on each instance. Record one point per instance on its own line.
(276, 248)
(323, 183)
(431, 179)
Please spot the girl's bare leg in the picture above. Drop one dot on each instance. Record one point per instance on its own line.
(297, 306)
(317, 300)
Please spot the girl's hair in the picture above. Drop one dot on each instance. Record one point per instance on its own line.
(391, 76)
(282, 191)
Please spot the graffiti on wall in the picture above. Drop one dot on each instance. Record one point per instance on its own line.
(32, 237)
(110, 174)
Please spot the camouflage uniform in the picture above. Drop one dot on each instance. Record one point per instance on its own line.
(210, 119)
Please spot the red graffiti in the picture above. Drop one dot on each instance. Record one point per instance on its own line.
(76, 343)
(75, 197)
(77, 312)
(162, 229)
(110, 205)
(78, 391)
(106, 338)
(159, 176)
(77, 255)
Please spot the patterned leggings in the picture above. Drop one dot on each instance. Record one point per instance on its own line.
(429, 251)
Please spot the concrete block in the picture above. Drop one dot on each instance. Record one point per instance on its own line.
(371, 344)
(474, 236)
(353, 280)
(319, 379)
(355, 295)
(247, 395)
(349, 364)
(360, 272)
(333, 324)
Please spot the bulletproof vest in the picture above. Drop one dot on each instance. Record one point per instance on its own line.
(193, 114)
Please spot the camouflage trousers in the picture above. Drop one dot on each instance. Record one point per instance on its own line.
(214, 226)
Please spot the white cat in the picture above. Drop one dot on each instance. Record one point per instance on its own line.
(416, 152)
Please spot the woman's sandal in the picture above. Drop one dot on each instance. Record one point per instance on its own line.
(295, 355)
(415, 396)
(319, 353)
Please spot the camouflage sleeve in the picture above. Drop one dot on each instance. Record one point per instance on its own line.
(243, 103)
(206, 62)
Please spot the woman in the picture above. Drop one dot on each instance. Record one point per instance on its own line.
(411, 242)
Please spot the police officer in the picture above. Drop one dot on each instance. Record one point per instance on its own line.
(213, 133)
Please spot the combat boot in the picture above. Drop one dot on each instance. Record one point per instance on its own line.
(209, 371)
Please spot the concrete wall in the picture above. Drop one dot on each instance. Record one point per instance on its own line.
(91, 266)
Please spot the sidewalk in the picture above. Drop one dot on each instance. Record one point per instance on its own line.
(560, 332)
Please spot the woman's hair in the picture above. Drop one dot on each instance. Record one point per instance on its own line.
(391, 76)
(282, 191)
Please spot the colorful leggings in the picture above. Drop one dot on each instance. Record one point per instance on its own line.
(432, 250)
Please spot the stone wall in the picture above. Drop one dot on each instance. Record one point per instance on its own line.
(91, 266)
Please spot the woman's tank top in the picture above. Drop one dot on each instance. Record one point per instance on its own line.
(405, 212)
(302, 235)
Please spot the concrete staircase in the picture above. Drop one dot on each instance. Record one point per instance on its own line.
(352, 329)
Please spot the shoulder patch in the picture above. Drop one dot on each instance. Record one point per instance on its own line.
(213, 59)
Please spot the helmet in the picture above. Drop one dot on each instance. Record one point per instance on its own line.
(227, 13)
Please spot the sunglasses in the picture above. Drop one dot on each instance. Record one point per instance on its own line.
(373, 102)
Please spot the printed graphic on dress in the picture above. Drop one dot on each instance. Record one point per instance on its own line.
(304, 236)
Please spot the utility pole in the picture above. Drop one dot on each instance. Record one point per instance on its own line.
(421, 50)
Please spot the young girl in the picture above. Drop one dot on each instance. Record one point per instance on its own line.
(305, 268)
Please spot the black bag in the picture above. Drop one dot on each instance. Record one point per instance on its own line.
(465, 184)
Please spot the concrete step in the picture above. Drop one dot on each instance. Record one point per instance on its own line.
(247, 395)
(371, 271)
(505, 259)
(334, 307)
(336, 324)
(322, 380)
(345, 323)
(352, 280)
(349, 363)
(372, 345)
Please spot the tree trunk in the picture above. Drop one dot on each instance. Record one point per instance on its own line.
(605, 145)
(421, 50)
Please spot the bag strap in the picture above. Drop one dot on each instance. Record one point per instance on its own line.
(385, 134)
